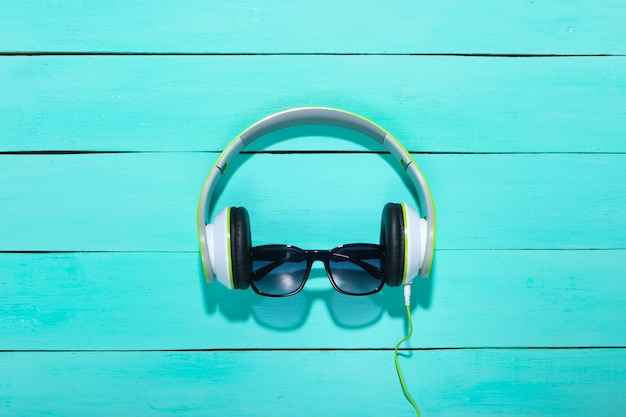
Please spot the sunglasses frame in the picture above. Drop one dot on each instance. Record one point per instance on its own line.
(323, 255)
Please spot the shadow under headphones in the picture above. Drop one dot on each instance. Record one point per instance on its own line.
(406, 237)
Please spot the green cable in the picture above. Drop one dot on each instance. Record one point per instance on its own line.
(406, 392)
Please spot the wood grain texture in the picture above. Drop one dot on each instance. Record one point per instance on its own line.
(147, 201)
(200, 103)
(129, 301)
(112, 114)
(445, 383)
(324, 26)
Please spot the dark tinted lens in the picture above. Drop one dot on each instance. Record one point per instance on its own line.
(277, 270)
(356, 269)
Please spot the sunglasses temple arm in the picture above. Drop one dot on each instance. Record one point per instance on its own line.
(371, 269)
(262, 272)
(377, 272)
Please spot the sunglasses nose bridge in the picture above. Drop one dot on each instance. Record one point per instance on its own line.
(317, 255)
(321, 256)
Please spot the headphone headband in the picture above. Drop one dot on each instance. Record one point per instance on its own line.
(325, 116)
(312, 115)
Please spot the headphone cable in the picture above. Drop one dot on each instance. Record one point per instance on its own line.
(407, 302)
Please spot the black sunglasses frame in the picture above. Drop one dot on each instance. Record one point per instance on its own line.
(325, 256)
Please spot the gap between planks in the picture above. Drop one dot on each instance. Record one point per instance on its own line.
(304, 152)
(475, 348)
(166, 53)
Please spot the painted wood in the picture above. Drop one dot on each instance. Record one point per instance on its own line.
(525, 157)
(159, 301)
(147, 202)
(432, 104)
(324, 26)
(444, 383)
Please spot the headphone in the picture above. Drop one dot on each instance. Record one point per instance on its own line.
(408, 238)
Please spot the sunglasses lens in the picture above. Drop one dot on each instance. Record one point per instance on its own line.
(356, 269)
(278, 270)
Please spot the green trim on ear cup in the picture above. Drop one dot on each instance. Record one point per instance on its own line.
(229, 249)
(200, 225)
(406, 243)
(393, 239)
(240, 245)
(432, 257)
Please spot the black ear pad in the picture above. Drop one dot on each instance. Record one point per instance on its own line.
(240, 244)
(392, 239)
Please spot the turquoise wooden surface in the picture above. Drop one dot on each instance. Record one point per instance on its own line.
(147, 201)
(126, 103)
(396, 26)
(314, 383)
(95, 301)
(111, 115)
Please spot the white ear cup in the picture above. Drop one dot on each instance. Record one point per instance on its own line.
(415, 229)
(218, 243)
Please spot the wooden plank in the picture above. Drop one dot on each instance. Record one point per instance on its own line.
(147, 201)
(432, 104)
(324, 26)
(444, 383)
(160, 301)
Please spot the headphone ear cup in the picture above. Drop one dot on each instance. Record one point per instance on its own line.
(392, 239)
(240, 244)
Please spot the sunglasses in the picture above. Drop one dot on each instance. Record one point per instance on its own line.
(282, 270)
